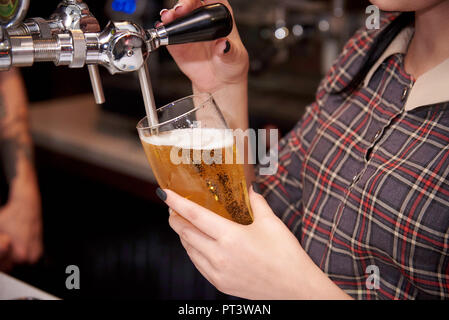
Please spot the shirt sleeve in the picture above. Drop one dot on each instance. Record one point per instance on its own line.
(283, 190)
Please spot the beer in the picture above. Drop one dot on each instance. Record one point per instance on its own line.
(199, 164)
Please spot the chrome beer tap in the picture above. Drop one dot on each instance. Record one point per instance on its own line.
(72, 37)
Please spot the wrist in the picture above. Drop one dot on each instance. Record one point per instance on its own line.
(235, 85)
(25, 187)
(313, 284)
(232, 100)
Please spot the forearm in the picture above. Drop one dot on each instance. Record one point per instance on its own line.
(15, 140)
(316, 285)
(23, 185)
(232, 100)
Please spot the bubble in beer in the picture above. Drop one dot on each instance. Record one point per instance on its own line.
(218, 186)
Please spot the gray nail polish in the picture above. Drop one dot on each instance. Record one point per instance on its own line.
(256, 187)
(161, 194)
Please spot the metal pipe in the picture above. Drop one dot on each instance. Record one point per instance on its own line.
(46, 50)
(97, 87)
(148, 96)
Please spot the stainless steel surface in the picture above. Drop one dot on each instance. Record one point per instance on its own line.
(122, 47)
(74, 15)
(66, 49)
(161, 37)
(5, 49)
(92, 48)
(79, 49)
(46, 50)
(97, 86)
(35, 26)
(72, 37)
(147, 93)
(22, 51)
(76, 40)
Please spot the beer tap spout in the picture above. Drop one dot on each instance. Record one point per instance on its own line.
(72, 37)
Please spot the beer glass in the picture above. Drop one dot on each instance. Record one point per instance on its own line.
(192, 152)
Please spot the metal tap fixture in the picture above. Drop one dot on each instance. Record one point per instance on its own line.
(72, 37)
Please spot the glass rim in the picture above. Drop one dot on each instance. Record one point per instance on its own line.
(208, 98)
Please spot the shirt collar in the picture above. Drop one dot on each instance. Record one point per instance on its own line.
(430, 88)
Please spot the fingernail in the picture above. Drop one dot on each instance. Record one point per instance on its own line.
(161, 194)
(170, 211)
(228, 47)
(256, 187)
(163, 11)
(178, 5)
(157, 24)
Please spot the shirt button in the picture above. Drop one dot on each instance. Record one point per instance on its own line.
(404, 93)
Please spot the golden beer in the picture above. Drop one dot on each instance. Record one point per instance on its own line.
(181, 162)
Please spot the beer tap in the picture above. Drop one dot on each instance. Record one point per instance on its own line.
(72, 37)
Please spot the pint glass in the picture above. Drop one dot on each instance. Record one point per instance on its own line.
(192, 152)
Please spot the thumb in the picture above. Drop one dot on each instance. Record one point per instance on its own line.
(259, 205)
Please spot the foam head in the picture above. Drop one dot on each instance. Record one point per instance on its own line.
(193, 138)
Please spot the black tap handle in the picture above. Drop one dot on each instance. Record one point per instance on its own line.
(206, 23)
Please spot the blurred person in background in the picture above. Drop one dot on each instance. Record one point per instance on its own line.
(362, 187)
(20, 217)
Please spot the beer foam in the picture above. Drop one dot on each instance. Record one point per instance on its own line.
(193, 138)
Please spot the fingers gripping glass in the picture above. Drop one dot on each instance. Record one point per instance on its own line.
(193, 153)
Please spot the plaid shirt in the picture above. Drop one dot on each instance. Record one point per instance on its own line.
(362, 182)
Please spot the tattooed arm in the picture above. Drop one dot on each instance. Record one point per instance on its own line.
(20, 218)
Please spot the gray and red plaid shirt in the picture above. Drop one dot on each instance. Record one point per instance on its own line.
(364, 182)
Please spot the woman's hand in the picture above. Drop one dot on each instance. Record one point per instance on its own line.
(219, 67)
(20, 231)
(261, 261)
(209, 65)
